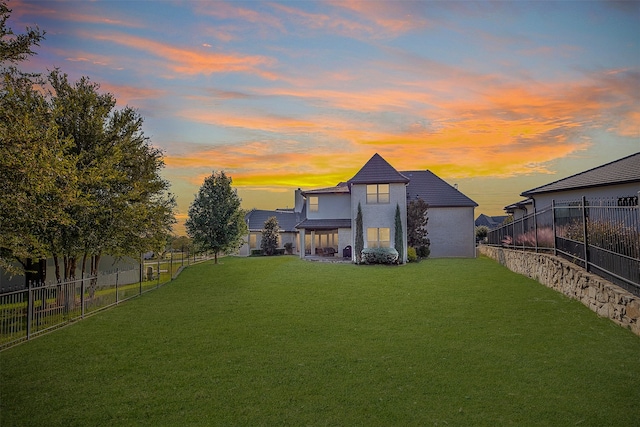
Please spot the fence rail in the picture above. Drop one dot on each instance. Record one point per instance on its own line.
(602, 236)
(41, 307)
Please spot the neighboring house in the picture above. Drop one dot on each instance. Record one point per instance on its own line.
(490, 221)
(615, 183)
(328, 215)
(287, 220)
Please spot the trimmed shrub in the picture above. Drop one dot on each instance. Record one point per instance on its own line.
(423, 251)
(256, 252)
(379, 256)
(288, 247)
(412, 256)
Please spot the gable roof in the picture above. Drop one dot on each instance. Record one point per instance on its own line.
(287, 220)
(435, 191)
(378, 171)
(622, 171)
(490, 221)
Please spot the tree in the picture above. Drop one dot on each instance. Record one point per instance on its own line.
(15, 48)
(417, 226)
(481, 232)
(359, 235)
(215, 221)
(121, 205)
(399, 240)
(269, 242)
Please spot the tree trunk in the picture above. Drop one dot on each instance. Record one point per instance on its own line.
(56, 262)
(215, 257)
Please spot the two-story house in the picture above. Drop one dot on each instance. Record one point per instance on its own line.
(327, 216)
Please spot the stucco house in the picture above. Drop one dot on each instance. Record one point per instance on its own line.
(614, 183)
(327, 216)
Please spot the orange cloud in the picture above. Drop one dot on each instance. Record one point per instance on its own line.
(183, 60)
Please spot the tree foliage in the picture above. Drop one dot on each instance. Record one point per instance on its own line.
(215, 221)
(417, 220)
(359, 235)
(78, 178)
(269, 242)
(398, 235)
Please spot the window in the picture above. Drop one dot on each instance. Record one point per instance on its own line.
(313, 204)
(377, 193)
(378, 237)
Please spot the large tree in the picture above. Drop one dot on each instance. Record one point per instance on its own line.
(121, 205)
(216, 221)
(269, 242)
(417, 225)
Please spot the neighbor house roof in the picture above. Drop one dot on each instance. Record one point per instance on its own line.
(378, 170)
(324, 224)
(287, 220)
(622, 171)
(436, 192)
(490, 221)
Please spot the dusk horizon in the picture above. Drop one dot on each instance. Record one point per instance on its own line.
(494, 97)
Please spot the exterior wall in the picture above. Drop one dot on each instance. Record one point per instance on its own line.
(607, 192)
(601, 296)
(283, 237)
(330, 206)
(344, 240)
(380, 215)
(452, 232)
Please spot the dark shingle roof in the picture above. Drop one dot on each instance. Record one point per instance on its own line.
(287, 220)
(490, 221)
(378, 171)
(340, 188)
(324, 224)
(620, 171)
(436, 192)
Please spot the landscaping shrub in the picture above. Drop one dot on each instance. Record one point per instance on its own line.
(423, 251)
(412, 256)
(288, 247)
(379, 256)
(256, 252)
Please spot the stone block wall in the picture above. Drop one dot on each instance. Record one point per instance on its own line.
(600, 295)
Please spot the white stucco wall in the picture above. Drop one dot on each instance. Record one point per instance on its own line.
(380, 215)
(608, 192)
(333, 206)
(451, 232)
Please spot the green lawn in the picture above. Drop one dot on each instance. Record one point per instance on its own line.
(280, 341)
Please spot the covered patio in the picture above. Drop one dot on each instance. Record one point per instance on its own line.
(325, 238)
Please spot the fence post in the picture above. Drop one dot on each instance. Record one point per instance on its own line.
(117, 276)
(29, 309)
(171, 267)
(158, 282)
(584, 233)
(141, 273)
(82, 294)
(535, 226)
(553, 226)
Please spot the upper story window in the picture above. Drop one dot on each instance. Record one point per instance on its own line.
(313, 204)
(378, 237)
(377, 193)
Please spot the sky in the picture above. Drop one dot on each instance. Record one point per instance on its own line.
(496, 97)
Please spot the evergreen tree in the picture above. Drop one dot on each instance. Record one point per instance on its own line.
(359, 235)
(399, 241)
(417, 226)
(216, 222)
(269, 242)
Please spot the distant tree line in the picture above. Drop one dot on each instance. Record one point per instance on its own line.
(78, 177)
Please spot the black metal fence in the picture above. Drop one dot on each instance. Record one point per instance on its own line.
(602, 236)
(42, 307)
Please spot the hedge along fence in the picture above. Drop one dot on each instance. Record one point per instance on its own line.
(600, 295)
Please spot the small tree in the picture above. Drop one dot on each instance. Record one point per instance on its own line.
(481, 232)
(216, 222)
(417, 226)
(269, 242)
(359, 235)
(399, 241)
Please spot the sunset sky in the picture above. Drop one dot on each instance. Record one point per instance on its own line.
(497, 97)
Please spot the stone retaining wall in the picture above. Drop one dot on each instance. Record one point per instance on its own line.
(600, 295)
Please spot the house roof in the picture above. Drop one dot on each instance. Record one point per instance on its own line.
(622, 171)
(340, 188)
(324, 224)
(432, 189)
(378, 170)
(287, 220)
(490, 221)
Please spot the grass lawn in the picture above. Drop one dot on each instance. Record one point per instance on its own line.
(280, 341)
